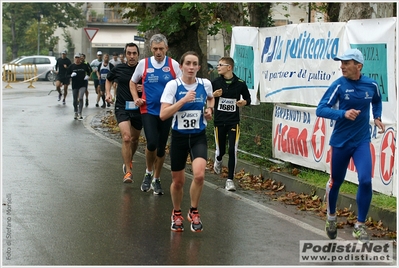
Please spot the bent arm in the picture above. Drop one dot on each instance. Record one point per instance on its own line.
(133, 90)
(246, 95)
(168, 110)
(325, 107)
(108, 85)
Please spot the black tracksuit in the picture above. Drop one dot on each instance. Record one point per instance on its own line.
(227, 117)
(233, 90)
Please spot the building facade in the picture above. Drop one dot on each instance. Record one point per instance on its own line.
(112, 32)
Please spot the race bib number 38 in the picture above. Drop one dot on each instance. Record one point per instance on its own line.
(188, 119)
(227, 105)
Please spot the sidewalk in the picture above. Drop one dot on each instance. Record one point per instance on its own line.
(290, 182)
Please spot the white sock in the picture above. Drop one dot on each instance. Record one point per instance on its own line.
(357, 224)
(332, 218)
(148, 172)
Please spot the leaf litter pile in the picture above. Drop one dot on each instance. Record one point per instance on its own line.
(276, 191)
(304, 202)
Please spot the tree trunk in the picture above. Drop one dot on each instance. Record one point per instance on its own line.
(258, 14)
(14, 45)
(353, 11)
(233, 14)
(202, 40)
(179, 42)
(187, 40)
(333, 12)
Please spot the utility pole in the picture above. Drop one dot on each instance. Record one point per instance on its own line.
(38, 32)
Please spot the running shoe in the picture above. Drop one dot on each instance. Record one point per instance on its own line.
(128, 178)
(331, 229)
(97, 105)
(124, 167)
(59, 96)
(76, 116)
(217, 166)
(156, 187)
(63, 101)
(230, 185)
(146, 184)
(177, 222)
(87, 103)
(360, 234)
(80, 117)
(194, 218)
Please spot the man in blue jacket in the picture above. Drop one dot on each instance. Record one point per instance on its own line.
(347, 101)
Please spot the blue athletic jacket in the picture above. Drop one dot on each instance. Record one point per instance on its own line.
(345, 94)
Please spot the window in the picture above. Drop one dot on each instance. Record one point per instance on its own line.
(26, 61)
(42, 61)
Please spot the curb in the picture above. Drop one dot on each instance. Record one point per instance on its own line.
(292, 183)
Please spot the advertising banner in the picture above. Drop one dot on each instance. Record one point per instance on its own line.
(302, 138)
(293, 64)
(376, 39)
(296, 61)
(244, 50)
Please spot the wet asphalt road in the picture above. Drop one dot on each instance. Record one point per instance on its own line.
(64, 202)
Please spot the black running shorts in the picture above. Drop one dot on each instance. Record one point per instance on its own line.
(63, 79)
(183, 144)
(133, 116)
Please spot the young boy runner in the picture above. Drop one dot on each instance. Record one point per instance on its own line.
(230, 94)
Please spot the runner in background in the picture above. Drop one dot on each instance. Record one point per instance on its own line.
(115, 61)
(83, 58)
(126, 113)
(60, 69)
(154, 72)
(94, 64)
(102, 71)
(230, 94)
(79, 73)
(122, 58)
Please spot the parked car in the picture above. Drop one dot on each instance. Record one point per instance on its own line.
(44, 64)
(213, 63)
(212, 69)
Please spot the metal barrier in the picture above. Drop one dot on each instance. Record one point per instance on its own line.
(10, 72)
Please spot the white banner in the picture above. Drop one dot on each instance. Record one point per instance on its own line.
(302, 138)
(294, 64)
(297, 66)
(244, 50)
(376, 39)
(297, 63)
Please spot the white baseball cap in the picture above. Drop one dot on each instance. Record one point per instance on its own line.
(352, 54)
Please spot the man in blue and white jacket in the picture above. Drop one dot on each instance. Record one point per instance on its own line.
(347, 101)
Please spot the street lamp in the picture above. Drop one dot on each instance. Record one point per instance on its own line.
(38, 32)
